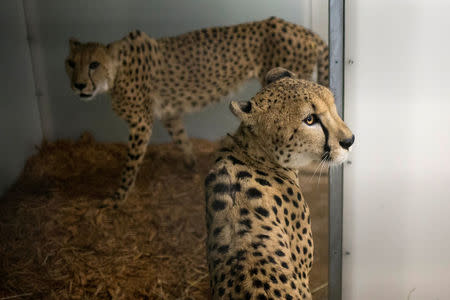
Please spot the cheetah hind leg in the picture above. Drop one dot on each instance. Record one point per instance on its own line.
(176, 130)
(140, 132)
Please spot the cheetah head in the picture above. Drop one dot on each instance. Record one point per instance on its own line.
(295, 121)
(90, 68)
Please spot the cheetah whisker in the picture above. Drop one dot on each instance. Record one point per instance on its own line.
(320, 173)
(317, 168)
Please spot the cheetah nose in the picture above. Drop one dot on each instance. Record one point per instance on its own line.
(80, 86)
(347, 142)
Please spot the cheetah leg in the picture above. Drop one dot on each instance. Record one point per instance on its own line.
(176, 130)
(140, 132)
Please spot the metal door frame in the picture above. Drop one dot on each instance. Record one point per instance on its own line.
(336, 31)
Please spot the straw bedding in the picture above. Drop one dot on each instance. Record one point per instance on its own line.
(56, 243)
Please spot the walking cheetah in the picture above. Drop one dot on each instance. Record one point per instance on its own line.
(259, 240)
(168, 77)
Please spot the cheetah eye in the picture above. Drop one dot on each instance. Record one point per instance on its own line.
(94, 65)
(71, 63)
(310, 120)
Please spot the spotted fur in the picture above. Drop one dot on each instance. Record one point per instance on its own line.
(259, 243)
(168, 77)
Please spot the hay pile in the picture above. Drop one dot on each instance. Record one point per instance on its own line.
(56, 243)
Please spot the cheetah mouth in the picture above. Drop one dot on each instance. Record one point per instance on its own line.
(85, 95)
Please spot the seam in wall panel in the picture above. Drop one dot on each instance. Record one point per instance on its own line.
(38, 69)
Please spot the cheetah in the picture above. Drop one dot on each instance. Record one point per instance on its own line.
(168, 77)
(259, 242)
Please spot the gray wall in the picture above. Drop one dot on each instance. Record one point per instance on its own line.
(109, 20)
(19, 115)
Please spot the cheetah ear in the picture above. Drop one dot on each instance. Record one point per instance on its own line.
(242, 109)
(74, 43)
(278, 73)
(113, 48)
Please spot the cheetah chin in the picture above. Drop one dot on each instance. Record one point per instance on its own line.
(86, 97)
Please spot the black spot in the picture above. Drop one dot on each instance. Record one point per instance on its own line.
(284, 265)
(262, 236)
(223, 249)
(221, 188)
(223, 172)
(217, 231)
(253, 193)
(256, 245)
(279, 252)
(230, 283)
(277, 199)
(244, 212)
(262, 182)
(262, 297)
(262, 211)
(243, 174)
(242, 232)
(289, 297)
(254, 271)
(234, 160)
(285, 198)
(283, 278)
(273, 279)
(257, 283)
(261, 173)
(218, 205)
(290, 192)
(246, 222)
(236, 187)
(221, 291)
(279, 180)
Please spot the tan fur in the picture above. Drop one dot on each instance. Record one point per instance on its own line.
(168, 77)
(259, 243)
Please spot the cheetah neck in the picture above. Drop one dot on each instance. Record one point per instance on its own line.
(247, 145)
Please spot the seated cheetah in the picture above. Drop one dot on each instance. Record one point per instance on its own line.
(259, 241)
(168, 77)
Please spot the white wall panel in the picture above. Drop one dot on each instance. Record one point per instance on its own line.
(20, 129)
(397, 189)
